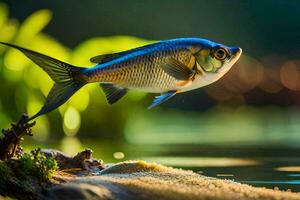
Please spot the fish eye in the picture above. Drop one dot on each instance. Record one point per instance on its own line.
(220, 53)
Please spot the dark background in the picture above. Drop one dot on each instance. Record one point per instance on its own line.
(259, 27)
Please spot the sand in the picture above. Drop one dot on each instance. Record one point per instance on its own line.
(148, 181)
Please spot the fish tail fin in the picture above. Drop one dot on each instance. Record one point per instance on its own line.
(68, 79)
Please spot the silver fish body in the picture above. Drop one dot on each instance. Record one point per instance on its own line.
(143, 71)
(168, 67)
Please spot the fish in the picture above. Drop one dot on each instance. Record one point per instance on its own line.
(167, 67)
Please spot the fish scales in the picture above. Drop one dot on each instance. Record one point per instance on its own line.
(142, 72)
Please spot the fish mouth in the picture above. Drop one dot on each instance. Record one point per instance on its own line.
(236, 52)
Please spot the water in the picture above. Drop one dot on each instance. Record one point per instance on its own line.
(275, 168)
(263, 175)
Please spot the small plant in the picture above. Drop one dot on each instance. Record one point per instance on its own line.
(36, 164)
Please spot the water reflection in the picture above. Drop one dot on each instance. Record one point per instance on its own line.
(225, 175)
(260, 176)
(202, 161)
(288, 169)
(294, 175)
(275, 182)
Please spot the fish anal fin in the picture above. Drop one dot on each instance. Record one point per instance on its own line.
(162, 98)
(177, 69)
(112, 92)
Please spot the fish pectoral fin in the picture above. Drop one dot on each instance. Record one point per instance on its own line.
(184, 83)
(177, 69)
(112, 92)
(162, 98)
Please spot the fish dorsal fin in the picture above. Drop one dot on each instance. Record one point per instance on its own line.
(162, 98)
(177, 69)
(109, 57)
(105, 57)
(112, 92)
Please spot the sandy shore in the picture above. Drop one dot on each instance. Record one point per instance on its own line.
(141, 180)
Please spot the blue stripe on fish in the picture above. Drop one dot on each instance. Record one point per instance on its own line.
(148, 49)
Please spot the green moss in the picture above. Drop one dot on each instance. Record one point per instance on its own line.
(26, 175)
(9, 184)
(36, 164)
(5, 171)
(7, 177)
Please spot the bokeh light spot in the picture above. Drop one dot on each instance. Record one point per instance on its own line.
(119, 155)
(71, 122)
(271, 80)
(80, 100)
(290, 75)
(70, 145)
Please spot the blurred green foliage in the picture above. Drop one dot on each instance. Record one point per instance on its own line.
(24, 86)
